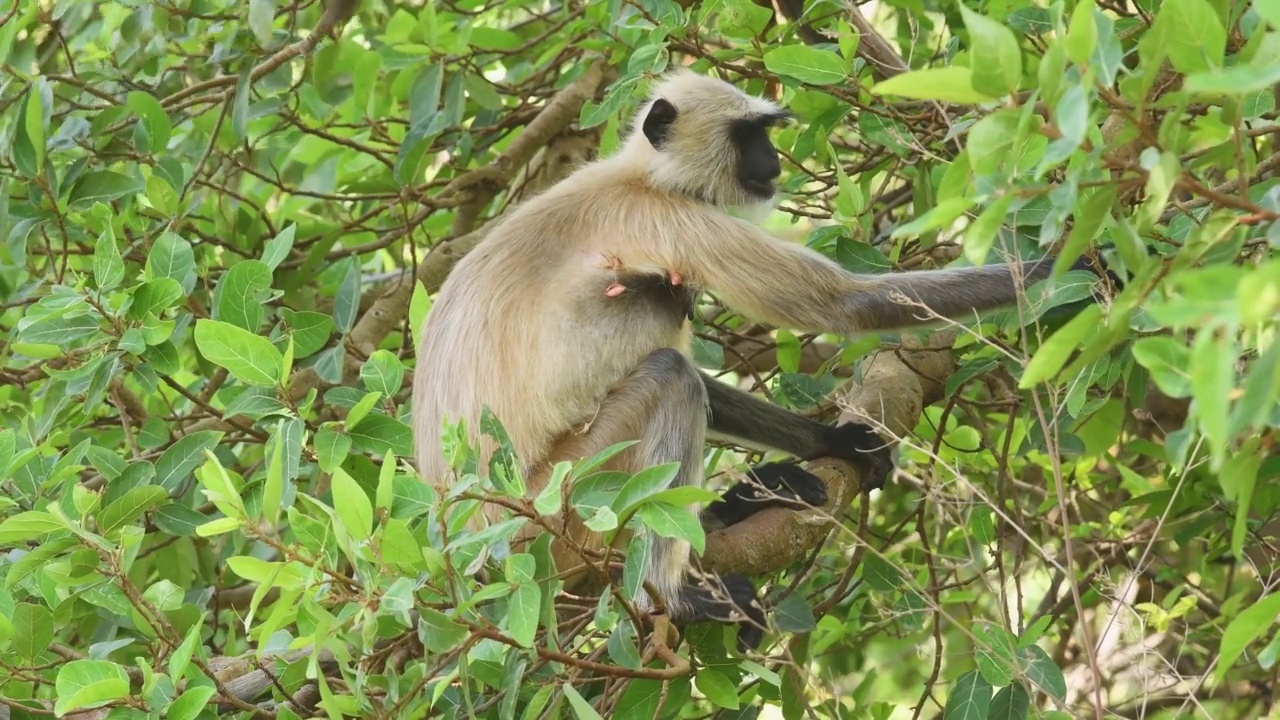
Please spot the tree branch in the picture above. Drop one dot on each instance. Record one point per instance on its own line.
(896, 387)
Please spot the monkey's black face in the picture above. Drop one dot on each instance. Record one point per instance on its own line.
(758, 164)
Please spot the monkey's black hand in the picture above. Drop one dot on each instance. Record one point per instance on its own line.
(1098, 266)
(860, 445)
(708, 602)
(785, 485)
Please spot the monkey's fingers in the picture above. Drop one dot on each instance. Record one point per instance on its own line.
(789, 480)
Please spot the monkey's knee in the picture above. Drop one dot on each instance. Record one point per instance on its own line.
(672, 374)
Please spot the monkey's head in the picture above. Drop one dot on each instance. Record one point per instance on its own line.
(709, 140)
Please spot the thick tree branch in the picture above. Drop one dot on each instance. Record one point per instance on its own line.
(885, 62)
(895, 388)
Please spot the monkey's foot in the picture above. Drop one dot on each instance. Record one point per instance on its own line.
(785, 485)
(859, 444)
(728, 599)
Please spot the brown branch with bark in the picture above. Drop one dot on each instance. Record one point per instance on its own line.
(894, 390)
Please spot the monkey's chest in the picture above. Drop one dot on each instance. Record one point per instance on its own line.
(610, 335)
(646, 299)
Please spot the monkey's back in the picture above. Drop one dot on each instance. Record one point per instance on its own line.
(523, 325)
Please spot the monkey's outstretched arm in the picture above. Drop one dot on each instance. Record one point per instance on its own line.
(741, 417)
(793, 286)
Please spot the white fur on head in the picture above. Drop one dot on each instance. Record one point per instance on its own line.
(698, 158)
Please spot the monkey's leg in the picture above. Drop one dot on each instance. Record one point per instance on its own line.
(663, 405)
(744, 418)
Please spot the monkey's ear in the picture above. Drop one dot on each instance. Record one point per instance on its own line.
(657, 124)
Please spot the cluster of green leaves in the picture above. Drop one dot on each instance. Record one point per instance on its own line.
(202, 445)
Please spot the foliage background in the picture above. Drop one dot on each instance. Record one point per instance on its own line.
(210, 213)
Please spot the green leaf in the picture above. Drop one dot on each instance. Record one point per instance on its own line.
(352, 505)
(1011, 703)
(981, 233)
(982, 524)
(743, 18)
(793, 614)
(997, 650)
(419, 310)
(241, 294)
(717, 688)
(1044, 672)
(261, 15)
(1058, 347)
(361, 409)
(1237, 80)
(29, 142)
(1190, 34)
(997, 59)
(1269, 12)
(153, 118)
(153, 297)
(953, 84)
(602, 520)
(581, 708)
(1249, 625)
(273, 485)
(347, 302)
(27, 526)
(310, 330)
(85, 684)
(8, 447)
(522, 613)
(181, 658)
(382, 434)
(1168, 361)
(32, 630)
(614, 98)
(382, 372)
(332, 446)
(277, 248)
(178, 520)
(131, 506)
(550, 499)
(644, 484)
(806, 64)
(171, 257)
(439, 633)
(880, 574)
(1238, 477)
(162, 196)
(384, 496)
(103, 186)
(1212, 381)
(622, 646)
(108, 266)
(969, 699)
(190, 703)
(248, 357)
(991, 140)
(1082, 34)
(674, 522)
(181, 458)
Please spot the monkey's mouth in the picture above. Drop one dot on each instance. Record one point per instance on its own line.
(759, 188)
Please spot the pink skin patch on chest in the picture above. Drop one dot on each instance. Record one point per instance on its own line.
(614, 263)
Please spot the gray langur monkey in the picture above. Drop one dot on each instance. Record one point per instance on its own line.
(571, 322)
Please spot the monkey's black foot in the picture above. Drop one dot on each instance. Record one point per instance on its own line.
(785, 485)
(860, 445)
(729, 599)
